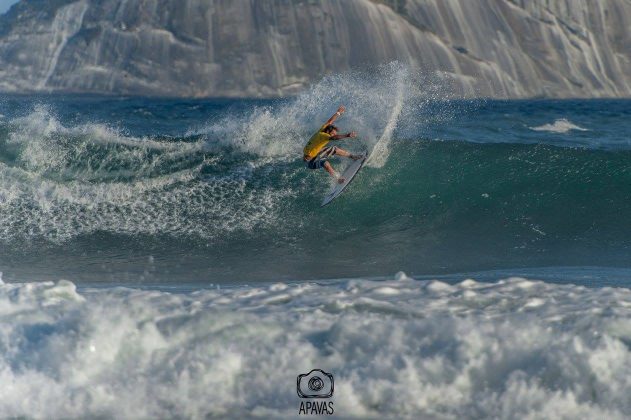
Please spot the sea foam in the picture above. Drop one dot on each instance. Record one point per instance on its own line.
(59, 181)
(559, 126)
(396, 348)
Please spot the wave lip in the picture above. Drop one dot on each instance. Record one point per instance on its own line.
(399, 347)
(560, 125)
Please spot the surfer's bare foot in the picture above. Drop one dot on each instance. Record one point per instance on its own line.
(340, 180)
(356, 157)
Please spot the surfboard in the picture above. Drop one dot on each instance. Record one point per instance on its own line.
(348, 176)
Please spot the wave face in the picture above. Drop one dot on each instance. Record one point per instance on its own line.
(514, 348)
(198, 190)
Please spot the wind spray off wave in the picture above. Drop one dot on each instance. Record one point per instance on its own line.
(64, 179)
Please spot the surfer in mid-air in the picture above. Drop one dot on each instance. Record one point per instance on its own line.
(317, 153)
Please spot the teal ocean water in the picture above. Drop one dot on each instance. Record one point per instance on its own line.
(99, 189)
(169, 258)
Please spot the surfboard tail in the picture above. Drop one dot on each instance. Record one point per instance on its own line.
(348, 175)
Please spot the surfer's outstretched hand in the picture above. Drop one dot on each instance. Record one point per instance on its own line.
(341, 109)
(352, 134)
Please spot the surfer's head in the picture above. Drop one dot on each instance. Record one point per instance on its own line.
(330, 129)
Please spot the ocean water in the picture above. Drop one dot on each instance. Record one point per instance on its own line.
(166, 257)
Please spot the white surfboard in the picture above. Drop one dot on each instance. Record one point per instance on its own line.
(348, 176)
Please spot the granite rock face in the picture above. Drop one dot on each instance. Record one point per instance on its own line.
(236, 48)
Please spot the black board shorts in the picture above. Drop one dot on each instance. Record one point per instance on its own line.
(324, 155)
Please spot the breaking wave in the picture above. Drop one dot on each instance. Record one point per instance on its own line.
(451, 185)
(514, 348)
(59, 180)
(559, 126)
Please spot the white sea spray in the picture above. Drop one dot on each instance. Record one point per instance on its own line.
(396, 348)
(561, 125)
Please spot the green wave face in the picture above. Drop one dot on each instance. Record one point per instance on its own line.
(445, 206)
(433, 207)
(132, 192)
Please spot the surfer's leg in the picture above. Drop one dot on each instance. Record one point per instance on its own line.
(332, 172)
(342, 152)
(346, 154)
(330, 169)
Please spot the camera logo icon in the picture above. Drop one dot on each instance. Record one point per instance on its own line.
(315, 384)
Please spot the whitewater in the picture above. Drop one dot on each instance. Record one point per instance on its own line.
(398, 347)
(169, 258)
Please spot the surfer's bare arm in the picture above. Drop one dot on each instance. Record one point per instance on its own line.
(344, 136)
(339, 112)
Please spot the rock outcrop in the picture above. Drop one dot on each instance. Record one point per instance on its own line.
(253, 48)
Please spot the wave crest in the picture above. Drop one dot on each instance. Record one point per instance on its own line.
(58, 182)
(561, 125)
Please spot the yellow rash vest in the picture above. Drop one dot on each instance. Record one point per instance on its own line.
(316, 143)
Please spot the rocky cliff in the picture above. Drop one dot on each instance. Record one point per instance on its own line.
(497, 48)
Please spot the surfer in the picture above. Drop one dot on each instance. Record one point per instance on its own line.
(317, 153)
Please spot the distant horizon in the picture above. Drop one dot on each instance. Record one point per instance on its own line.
(5, 5)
